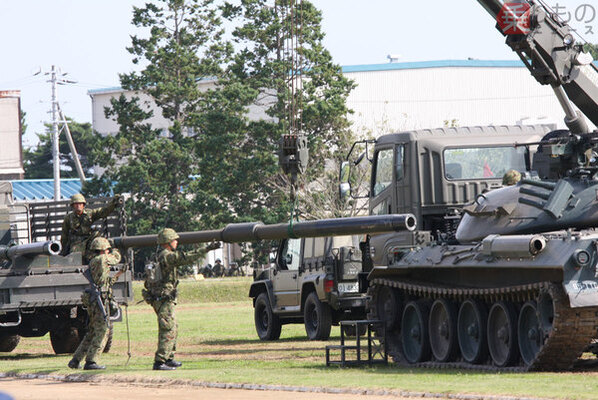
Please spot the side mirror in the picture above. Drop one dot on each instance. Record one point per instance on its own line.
(344, 187)
(360, 158)
(288, 259)
(344, 190)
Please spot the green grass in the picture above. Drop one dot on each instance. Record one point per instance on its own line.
(207, 290)
(218, 343)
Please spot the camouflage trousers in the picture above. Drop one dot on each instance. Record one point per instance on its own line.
(167, 329)
(92, 343)
(82, 248)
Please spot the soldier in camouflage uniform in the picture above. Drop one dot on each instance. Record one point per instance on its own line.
(97, 327)
(162, 296)
(511, 177)
(76, 227)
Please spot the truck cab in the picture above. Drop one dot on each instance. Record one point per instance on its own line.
(313, 281)
(433, 173)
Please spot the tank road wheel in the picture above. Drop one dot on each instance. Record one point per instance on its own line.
(267, 324)
(545, 313)
(502, 334)
(388, 307)
(442, 328)
(471, 331)
(65, 340)
(8, 343)
(529, 332)
(414, 331)
(317, 317)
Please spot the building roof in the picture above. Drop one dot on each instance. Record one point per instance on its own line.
(43, 189)
(392, 66)
(435, 64)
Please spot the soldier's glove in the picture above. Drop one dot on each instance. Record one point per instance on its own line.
(213, 246)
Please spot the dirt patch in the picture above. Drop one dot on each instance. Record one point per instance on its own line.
(47, 389)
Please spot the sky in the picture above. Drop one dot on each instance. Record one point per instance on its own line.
(87, 39)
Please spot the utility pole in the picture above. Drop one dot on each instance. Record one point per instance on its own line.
(57, 114)
(55, 139)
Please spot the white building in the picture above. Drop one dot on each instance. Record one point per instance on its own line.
(411, 95)
(11, 151)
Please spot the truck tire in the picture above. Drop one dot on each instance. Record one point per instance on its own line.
(65, 340)
(317, 317)
(8, 343)
(267, 324)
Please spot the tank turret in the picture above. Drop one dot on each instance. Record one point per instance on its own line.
(565, 197)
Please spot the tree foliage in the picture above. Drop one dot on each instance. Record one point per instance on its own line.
(227, 110)
(184, 45)
(38, 160)
(592, 49)
(277, 43)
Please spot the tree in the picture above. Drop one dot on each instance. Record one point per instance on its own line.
(281, 64)
(184, 45)
(592, 49)
(38, 160)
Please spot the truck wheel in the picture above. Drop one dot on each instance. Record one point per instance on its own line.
(317, 317)
(8, 343)
(65, 340)
(267, 324)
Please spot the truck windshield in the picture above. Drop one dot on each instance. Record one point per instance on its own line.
(483, 162)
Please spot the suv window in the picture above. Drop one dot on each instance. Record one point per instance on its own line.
(291, 255)
(308, 248)
(319, 247)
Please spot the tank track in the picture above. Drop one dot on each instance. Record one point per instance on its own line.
(572, 328)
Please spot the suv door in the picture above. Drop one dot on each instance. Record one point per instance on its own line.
(285, 280)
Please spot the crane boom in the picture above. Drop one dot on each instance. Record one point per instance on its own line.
(548, 49)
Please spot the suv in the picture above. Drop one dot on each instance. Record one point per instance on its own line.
(314, 281)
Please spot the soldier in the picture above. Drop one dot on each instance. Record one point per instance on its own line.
(97, 326)
(218, 268)
(76, 227)
(162, 293)
(511, 177)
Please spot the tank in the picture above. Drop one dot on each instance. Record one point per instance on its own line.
(517, 290)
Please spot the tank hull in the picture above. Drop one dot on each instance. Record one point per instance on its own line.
(505, 303)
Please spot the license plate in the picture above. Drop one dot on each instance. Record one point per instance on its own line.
(352, 287)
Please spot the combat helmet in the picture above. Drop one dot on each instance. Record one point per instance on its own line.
(78, 198)
(167, 235)
(100, 243)
(511, 177)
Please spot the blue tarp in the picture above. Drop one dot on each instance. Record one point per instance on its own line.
(43, 189)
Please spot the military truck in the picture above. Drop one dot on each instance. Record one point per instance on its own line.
(433, 173)
(40, 289)
(314, 281)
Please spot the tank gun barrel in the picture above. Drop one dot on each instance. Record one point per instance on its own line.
(255, 231)
(51, 247)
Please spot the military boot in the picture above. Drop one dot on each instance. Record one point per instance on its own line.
(93, 365)
(172, 363)
(74, 364)
(160, 366)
